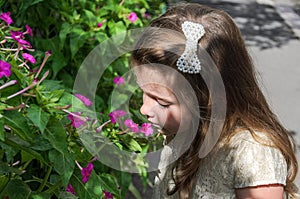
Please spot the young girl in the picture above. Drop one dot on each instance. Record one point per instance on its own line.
(252, 155)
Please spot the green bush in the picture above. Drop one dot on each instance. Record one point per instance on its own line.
(41, 148)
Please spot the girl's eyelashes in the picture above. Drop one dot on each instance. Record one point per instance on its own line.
(163, 104)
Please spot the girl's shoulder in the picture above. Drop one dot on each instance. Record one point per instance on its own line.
(255, 160)
(243, 161)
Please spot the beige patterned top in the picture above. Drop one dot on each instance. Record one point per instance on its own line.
(242, 163)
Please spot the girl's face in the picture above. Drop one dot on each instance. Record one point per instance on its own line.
(160, 104)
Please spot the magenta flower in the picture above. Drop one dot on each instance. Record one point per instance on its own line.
(48, 53)
(86, 172)
(133, 126)
(115, 115)
(146, 129)
(25, 44)
(99, 25)
(118, 80)
(29, 57)
(76, 120)
(5, 16)
(132, 17)
(70, 189)
(28, 30)
(4, 69)
(84, 99)
(108, 195)
(17, 34)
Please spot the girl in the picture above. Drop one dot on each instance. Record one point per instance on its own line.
(253, 156)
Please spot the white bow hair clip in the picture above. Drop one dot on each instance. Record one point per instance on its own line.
(188, 62)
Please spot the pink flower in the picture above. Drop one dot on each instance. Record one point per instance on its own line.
(107, 195)
(99, 25)
(118, 80)
(76, 121)
(84, 99)
(130, 124)
(4, 69)
(16, 34)
(70, 189)
(146, 129)
(28, 30)
(86, 172)
(5, 16)
(48, 53)
(115, 115)
(18, 37)
(25, 44)
(29, 57)
(132, 17)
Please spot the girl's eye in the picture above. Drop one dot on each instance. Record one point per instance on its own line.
(163, 105)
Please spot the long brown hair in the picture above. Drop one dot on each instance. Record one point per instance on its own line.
(246, 105)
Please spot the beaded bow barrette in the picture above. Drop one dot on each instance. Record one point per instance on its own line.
(188, 62)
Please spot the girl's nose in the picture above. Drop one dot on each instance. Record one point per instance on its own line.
(146, 108)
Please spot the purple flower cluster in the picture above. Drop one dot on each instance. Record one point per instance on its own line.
(146, 128)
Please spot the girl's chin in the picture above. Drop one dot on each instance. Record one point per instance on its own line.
(167, 132)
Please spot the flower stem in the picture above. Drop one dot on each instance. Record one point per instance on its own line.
(79, 166)
(74, 115)
(99, 129)
(34, 83)
(41, 187)
(10, 83)
(43, 64)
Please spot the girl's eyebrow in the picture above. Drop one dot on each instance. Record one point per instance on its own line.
(157, 96)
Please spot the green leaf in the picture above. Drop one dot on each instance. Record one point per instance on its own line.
(67, 195)
(56, 135)
(17, 146)
(27, 4)
(17, 122)
(40, 196)
(118, 100)
(63, 164)
(56, 95)
(124, 180)
(38, 117)
(134, 145)
(26, 157)
(2, 135)
(59, 62)
(134, 191)
(64, 31)
(3, 181)
(77, 39)
(52, 85)
(118, 30)
(17, 189)
(90, 16)
(41, 144)
(100, 36)
(109, 184)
